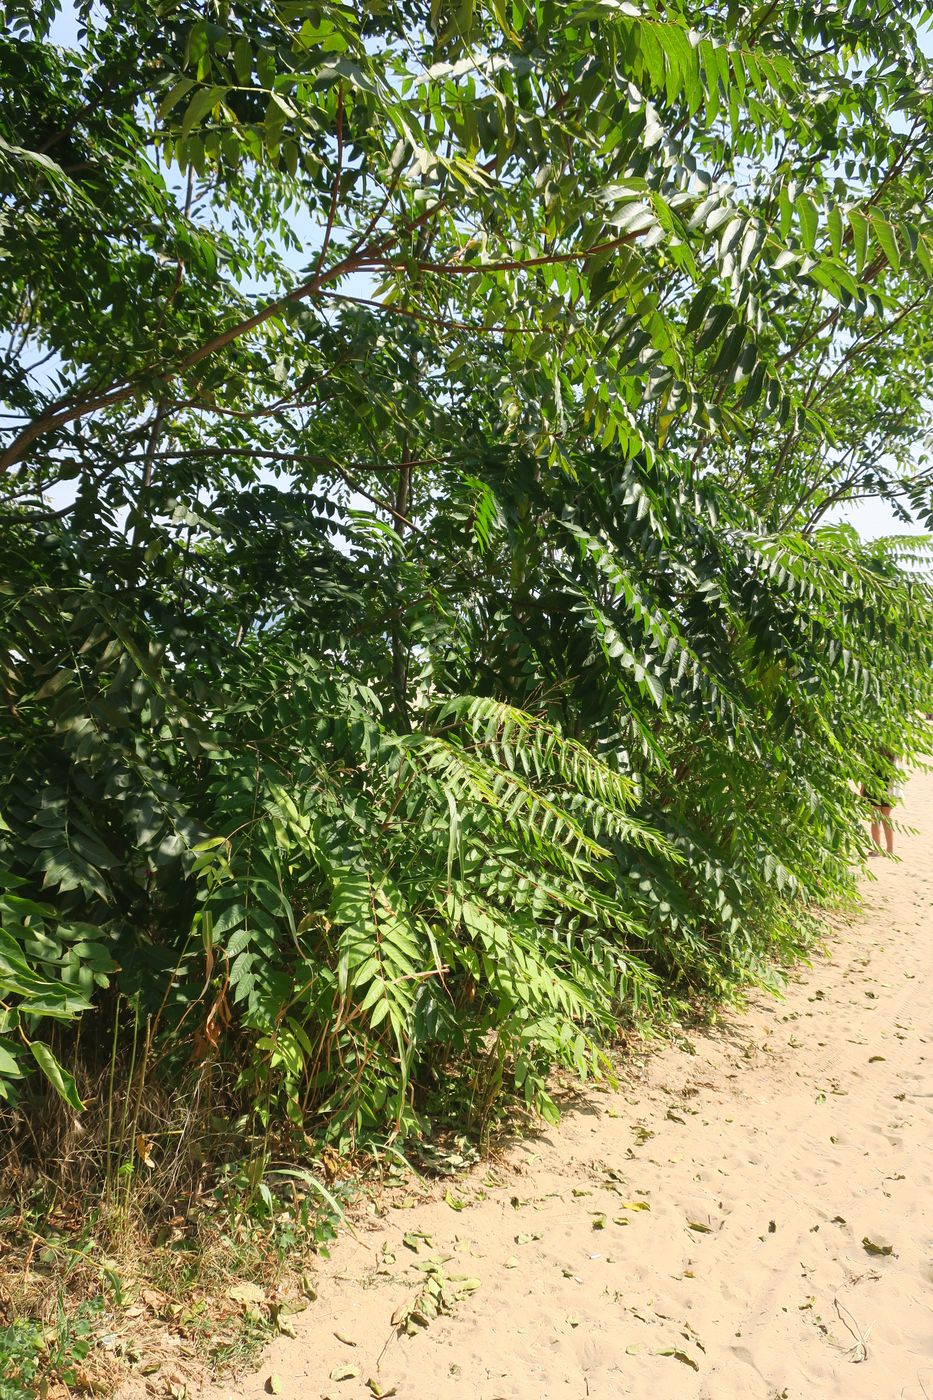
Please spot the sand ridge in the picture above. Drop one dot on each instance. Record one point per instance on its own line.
(698, 1234)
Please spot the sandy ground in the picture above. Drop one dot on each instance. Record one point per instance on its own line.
(700, 1233)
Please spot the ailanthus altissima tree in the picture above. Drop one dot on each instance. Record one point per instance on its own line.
(422, 647)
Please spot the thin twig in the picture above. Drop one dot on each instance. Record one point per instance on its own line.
(509, 265)
(335, 193)
(854, 1330)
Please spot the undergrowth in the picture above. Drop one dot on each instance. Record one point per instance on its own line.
(96, 1292)
(115, 1265)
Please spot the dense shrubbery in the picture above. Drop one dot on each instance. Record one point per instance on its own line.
(426, 662)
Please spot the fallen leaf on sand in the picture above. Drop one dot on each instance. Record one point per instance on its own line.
(345, 1373)
(678, 1356)
(876, 1247)
(280, 1319)
(381, 1392)
(274, 1385)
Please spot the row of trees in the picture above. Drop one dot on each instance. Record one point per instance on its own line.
(422, 645)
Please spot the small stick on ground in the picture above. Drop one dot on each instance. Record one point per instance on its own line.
(861, 1346)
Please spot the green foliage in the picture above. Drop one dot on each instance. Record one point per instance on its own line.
(21, 1349)
(422, 642)
(35, 1358)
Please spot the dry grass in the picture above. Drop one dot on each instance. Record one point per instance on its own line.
(155, 1237)
(127, 1235)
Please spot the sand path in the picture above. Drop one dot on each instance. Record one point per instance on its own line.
(761, 1159)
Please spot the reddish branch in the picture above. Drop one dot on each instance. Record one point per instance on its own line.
(65, 412)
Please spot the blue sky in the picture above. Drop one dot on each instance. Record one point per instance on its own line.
(872, 518)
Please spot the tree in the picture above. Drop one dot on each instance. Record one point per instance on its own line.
(421, 646)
